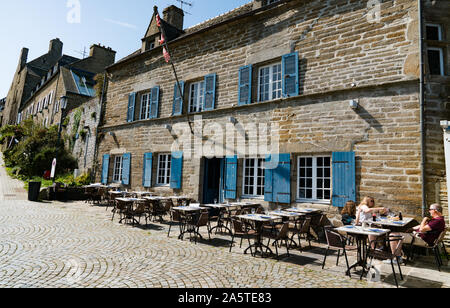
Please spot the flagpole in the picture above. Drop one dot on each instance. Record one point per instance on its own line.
(166, 46)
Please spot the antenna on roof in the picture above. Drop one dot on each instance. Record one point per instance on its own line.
(83, 53)
(191, 4)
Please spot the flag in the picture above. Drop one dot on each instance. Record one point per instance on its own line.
(166, 55)
(158, 20)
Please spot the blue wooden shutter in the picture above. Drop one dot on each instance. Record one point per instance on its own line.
(178, 99)
(290, 75)
(231, 177)
(126, 170)
(147, 175)
(245, 85)
(268, 181)
(176, 170)
(154, 103)
(131, 106)
(105, 167)
(344, 178)
(210, 92)
(278, 180)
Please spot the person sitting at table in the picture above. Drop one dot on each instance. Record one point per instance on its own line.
(424, 234)
(365, 211)
(348, 213)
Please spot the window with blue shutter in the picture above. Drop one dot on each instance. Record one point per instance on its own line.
(105, 167)
(231, 177)
(210, 92)
(278, 180)
(176, 172)
(290, 75)
(178, 99)
(131, 106)
(245, 85)
(126, 171)
(344, 178)
(154, 103)
(147, 173)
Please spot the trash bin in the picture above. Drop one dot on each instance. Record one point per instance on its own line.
(33, 191)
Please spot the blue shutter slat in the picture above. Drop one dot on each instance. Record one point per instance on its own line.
(178, 99)
(105, 167)
(268, 181)
(245, 85)
(176, 170)
(126, 169)
(131, 106)
(210, 92)
(344, 178)
(154, 103)
(147, 176)
(290, 72)
(231, 177)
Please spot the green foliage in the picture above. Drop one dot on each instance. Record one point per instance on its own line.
(37, 148)
(99, 81)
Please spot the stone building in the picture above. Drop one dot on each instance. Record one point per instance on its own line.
(74, 80)
(333, 86)
(2, 106)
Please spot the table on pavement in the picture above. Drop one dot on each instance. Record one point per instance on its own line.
(361, 234)
(189, 213)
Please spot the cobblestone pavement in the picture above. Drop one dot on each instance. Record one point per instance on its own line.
(75, 245)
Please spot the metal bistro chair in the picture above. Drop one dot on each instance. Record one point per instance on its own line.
(176, 218)
(434, 247)
(386, 254)
(278, 235)
(241, 229)
(203, 221)
(301, 227)
(337, 241)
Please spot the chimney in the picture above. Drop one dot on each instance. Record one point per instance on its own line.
(55, 47)
(102, 54)
(174, 16)
(23, 58)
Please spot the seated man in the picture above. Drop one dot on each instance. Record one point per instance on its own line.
(426, 233)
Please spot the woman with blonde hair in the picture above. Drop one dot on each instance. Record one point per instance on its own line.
(366, 209)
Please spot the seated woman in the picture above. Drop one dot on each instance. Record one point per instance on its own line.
(365, 211)
(348, 213)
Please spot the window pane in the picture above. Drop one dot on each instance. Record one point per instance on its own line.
(434, 61)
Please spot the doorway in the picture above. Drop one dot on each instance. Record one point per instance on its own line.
(213, 180)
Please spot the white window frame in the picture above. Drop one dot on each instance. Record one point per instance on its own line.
(439, 30)
(441, 57)
(271, 82)
(255, 177)
(118, 169)
(164, 168)
(314, 177)
(145, 114)
(198, 96)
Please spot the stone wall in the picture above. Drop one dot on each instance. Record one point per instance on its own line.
(81, 130)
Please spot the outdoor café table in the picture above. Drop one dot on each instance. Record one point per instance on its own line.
(361, 235)
(259, 220)
(394, 226)
(189, 212)
(130, 203)
(303, 210)
(222, 207)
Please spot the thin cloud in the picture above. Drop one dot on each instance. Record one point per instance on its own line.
(120, 23)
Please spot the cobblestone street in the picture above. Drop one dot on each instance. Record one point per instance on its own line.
(73, 244)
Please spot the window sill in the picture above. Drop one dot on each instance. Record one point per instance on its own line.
(252, 197)
(310, 201)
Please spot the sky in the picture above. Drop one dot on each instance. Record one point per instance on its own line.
(79, 24)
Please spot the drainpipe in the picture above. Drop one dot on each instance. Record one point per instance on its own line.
(422, 107)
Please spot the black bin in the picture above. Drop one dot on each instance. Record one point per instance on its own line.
(33, 191)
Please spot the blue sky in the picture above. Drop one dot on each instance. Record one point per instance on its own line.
(113, 23)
